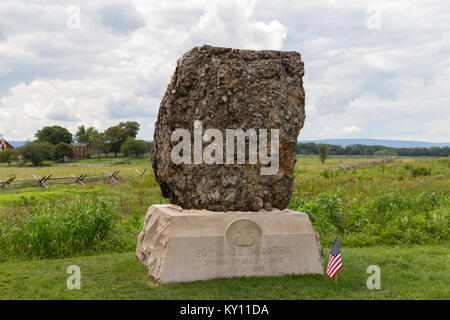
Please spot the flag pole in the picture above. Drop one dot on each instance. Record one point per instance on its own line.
(335, 280)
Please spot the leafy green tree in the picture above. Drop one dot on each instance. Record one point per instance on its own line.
(62, 150)
(129, 129)
(358, 149)
(323, 151)
(98, 140)
(81, 135)
(115, 139)
(36, 152)
(84, 135)
(117, 135)
(8, 155)
(385, 152)
(91, 132)
(307, 148)
(135, 147)
(54, 135)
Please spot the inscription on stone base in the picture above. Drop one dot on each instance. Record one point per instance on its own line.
(179, 246)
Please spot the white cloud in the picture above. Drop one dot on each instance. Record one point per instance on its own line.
(116, 66)
(231, 24)
(62, 109)
(121, 17)
(350, 129)
(386, 83)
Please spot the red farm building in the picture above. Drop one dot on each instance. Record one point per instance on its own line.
(79, 150)
(4, 144)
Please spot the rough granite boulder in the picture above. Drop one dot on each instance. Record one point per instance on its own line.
(231, 89)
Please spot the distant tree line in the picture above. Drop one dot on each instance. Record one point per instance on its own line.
(119, 138)
(53, 143)
(363, 150)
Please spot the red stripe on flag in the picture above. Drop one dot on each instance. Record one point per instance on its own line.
(335, 268)
(334, 265)
(329, 265)
(335, 271)
(337, 265)
(334, 261)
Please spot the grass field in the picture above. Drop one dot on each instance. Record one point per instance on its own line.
(392, 215)
(418, 272)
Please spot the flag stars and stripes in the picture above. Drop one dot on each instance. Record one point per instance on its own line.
(335, 262)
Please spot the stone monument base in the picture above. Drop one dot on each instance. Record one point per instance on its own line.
(179, 245)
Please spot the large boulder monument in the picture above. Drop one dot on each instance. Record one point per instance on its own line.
(224, 155)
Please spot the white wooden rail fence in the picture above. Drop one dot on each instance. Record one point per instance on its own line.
(360, 164)
(45, 181)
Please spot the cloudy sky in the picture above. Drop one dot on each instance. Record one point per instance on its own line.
(373, 69)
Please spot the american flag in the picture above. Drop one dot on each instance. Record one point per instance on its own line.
(335, 262)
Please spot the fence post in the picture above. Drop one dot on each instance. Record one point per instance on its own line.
(7, 184)
(46, 181)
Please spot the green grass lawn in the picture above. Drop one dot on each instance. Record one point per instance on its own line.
(91, 167)
(94, 161)
(414, 272)
(369, 207)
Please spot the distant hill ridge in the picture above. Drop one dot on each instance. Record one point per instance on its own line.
(380, 142)
(345, 142)
(16, 144)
